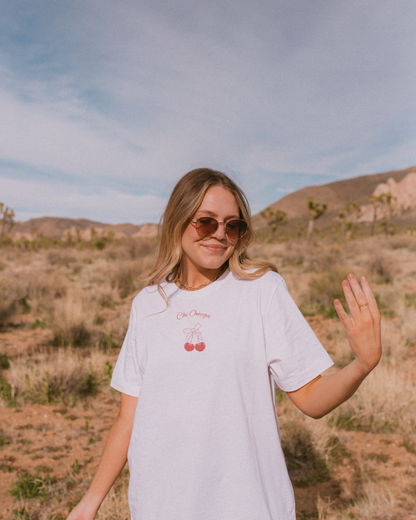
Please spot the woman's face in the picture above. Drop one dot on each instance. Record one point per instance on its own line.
(201, 254)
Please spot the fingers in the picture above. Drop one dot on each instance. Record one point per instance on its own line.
(343, 316)
(360, 299)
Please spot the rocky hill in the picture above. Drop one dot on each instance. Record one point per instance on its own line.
(401, 183)
(82, 228)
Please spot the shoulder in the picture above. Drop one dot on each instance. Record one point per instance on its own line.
(269, 280)
(149, 300)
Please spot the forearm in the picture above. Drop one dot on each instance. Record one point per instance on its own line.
(324, 394)
(113, 459)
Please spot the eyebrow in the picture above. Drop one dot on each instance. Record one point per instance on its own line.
(212, 214)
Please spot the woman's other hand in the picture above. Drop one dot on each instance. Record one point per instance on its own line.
(363, 327)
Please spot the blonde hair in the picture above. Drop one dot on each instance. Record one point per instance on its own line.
(186, 198)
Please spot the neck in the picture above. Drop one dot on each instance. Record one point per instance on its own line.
(192, 280)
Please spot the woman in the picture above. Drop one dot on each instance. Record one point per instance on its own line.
(207, 341)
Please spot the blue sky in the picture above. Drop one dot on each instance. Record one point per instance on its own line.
(106, 103)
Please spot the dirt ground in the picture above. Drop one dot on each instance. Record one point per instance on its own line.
(66, 442)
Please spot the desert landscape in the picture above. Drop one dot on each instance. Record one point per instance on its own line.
(66, 291)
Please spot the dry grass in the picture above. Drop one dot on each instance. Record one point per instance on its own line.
(63, 375)
(381, 267)
(73, 319)
(386, 402)
(374, 502)
(83, 297)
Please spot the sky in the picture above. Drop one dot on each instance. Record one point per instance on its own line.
(105, 104)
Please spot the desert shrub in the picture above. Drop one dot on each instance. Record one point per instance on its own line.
(381, 266)
(386, 402)
(4, 361)
(124, 275)
(43, 285)
(323, 289)
(116, 329)
(293, 254)
(6, 390)
(12, 297)
(105, 294)
(63, 376)
(28, 287)
(73, 319)
(371, 501)
(62, 257)
(395, 350)
(305, 463)
(323, 259)
(29, 486)
(134, 248)
(400, 242)
(408, 326)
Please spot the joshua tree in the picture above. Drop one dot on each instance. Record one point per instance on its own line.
(386, 201)
(316, 210)
(377, 205)
(6, 219)
(274, 217)
(349, 216)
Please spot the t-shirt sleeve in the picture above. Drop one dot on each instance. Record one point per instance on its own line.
(295, 355)
(127, 376)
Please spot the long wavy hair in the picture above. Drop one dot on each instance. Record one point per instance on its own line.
(184, 202)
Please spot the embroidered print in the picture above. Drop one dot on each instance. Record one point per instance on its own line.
(192, 335)
(191, 313)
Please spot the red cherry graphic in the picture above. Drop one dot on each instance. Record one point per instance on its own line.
(200, 346)
(189, 347)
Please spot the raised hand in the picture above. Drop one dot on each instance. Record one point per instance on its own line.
(363, 327)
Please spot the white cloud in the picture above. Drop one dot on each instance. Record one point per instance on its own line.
(139, 93)
(32, 199)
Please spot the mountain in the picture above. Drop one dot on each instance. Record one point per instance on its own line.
(60, 227)
(338, 194)
(401, 183)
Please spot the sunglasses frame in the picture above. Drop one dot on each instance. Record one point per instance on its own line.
(195, 224)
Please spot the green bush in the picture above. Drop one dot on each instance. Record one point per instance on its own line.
(323, 289)
(29, 486)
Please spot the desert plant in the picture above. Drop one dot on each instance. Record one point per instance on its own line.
(62, 377)
(274, 218)
(29, 486)
(386, 402)
(408, 326)
(72, 320)
(316, 210)
(349, 216)
(323, 289)
(381, 267)
(371, 501)
(12, 297)
(124, 276)
(6, 219)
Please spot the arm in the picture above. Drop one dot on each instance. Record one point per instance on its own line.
(323, 394)
(112, 461)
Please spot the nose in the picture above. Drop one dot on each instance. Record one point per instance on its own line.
(220, 232)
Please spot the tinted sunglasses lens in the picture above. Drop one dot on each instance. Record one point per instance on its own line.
(206, 227)
(235, 229)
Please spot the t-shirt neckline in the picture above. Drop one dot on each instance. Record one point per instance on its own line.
(204, 291)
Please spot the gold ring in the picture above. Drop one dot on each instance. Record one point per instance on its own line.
(362, 305)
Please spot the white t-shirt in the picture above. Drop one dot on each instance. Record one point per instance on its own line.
(205, 443)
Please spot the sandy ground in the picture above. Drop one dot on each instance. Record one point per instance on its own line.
(66, 442)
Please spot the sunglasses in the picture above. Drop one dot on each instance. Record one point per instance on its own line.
(207, 226)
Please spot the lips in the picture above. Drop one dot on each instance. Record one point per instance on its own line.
(214, 248)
